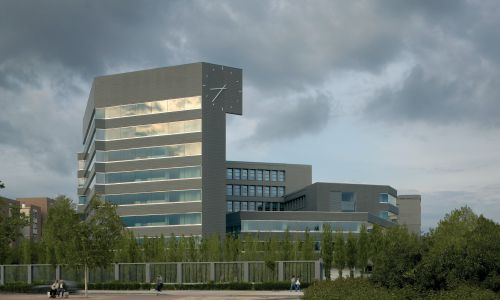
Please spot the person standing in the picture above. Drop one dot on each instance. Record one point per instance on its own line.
(159, 284)
(292, 283)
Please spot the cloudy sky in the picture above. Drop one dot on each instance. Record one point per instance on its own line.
(404, 93)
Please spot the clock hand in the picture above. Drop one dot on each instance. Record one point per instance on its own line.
(220, 91)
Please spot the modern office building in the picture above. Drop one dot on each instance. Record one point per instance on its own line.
(154, 143)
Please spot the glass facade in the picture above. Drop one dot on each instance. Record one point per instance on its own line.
(297, 226)
(149, 130)
(151, 152)
(235, 206)
(162, 220)
(386, 198)
(149, 175)
(155, 197)
(151, 107)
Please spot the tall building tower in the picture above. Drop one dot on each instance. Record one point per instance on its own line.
(154, 143)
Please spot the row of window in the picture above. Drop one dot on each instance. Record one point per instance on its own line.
(296, 204)
(149, 130)
(155, 197)
(151, 152)
(297, 226)
(255, 174)
(254, 190)
(235, 206)
(162, 220)
(149, 175)
(152, 107)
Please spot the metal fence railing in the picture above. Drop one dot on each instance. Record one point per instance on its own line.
(173, 272)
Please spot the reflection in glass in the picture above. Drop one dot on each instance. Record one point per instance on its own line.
(149, 130)
(151, 107)
(149, 175)
(297, 226)
(155, 197)
(159, 220)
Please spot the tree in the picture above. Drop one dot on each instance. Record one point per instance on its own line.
(351, 253)
(192, 251)
(307, 246)
(26, 252)
(395, 261)
(339, 251)
(172, 248)
(59, 230)
(181, 248)
(96, 237)
(10, 229)
(2, 185)
(327, 249)
(362, 249)
(286, 246)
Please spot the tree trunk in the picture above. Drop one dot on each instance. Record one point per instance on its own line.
(86, 276)
(340, 273)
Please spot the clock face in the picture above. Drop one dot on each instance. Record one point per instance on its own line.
(223, 89)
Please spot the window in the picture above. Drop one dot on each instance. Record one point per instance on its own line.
(244, 190)
(244, 206)
(266, 191)
(267, 206)
(229, 173)
(229, 206)
(274, 191)
(251, 206)
(281, 175)
(149, 175)
(158, 220)
(387, 198)
(281, 191)
(258, 175)
(251, 174)
(266, 175)
(236, 174)
(275, 206)
(258, 192)
(154, 197)
(236, 190)
(244, 174)
(251, 190)
(229, 190)
(236, 206)
(274, 175)
(150, 152)
(348, 203)
(260, 206)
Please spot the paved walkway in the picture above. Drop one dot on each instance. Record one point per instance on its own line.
(168, 294)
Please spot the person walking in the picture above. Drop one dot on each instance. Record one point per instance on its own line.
(159, 285)
(292, 283)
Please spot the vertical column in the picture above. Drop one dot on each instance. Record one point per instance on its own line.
(179, 273)
(148, 273)
(245, 272)
(212, 271)
(280, 271)
(117, 272)
(29, 269)
(2, 275)
(58, 272)
(317, 270)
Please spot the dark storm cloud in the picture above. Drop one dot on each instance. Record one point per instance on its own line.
(457, 67)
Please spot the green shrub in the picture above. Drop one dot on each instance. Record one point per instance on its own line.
(17, 287)
(464, 292)
(348, 289)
